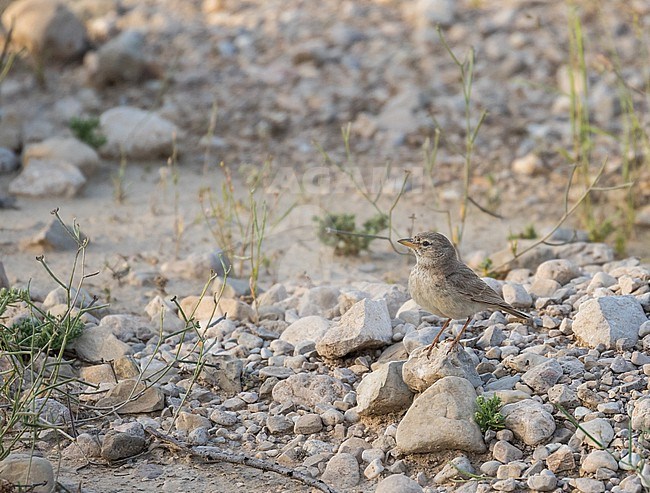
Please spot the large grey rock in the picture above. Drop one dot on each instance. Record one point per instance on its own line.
(543, 376)
(529, 421)
(121, 59)
(224, 372)
(132, 397)
(394, 294)
(383, 391)
(608, 319)
(96, 344)
(442, 418)
(342, 472)
(25, 469)
(641, 414)
(122, 444)
(66, 149)
(365, 325)
(398, 483)
(420, 371)
(516, 295)
(596, 433)
(307, 389)
(45, 28)
(559, 270)
(136, 133)
(321, 300)
(310, 328)
(47, 178)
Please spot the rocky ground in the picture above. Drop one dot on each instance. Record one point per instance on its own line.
(323, 374)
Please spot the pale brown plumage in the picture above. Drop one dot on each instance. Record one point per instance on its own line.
(445, 286)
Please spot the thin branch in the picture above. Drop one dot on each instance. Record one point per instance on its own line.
(216, 455)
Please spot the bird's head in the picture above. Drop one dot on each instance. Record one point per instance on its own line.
(430, 246)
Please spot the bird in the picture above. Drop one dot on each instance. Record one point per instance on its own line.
(443, 285)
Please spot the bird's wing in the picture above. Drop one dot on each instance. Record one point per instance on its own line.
(472, 286)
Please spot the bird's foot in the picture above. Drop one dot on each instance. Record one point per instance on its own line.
(451, 347)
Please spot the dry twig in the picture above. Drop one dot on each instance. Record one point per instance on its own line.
(215, 455)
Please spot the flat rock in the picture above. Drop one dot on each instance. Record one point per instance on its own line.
(25, 469)
(420, 372)
(131, 397)
(136, 134)
(383, 391)
(307, 390)
(442, 418)
(66, 149)
(47, 178)
(310, 328)
(365, 325)
(608, 319)
(529, 421)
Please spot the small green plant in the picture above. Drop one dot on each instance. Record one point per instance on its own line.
(340, 231)
(529, 233)
(486, 266)
(87, 130)
(488, 416)
(50, 334)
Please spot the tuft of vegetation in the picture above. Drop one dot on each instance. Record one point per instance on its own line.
(340, 231)
(529, 233)
(87, 130)
(488, 416)
(51, 334)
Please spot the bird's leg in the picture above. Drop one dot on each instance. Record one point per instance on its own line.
(460, 334)
(437, 338)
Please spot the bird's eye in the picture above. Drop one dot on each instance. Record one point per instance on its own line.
(425, 243)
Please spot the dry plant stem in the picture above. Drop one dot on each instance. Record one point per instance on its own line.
(216, 455)
(466, 69)
(565, 216)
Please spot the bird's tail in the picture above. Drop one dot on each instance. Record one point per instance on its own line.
(516, 313)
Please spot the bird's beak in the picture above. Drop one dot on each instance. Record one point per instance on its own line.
(407, 242)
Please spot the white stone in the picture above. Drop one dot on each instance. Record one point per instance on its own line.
(608, 319)
(47, 178)
(365, 325)
(136, 133)
(310, 328)
(442, 418)
(65, 149)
